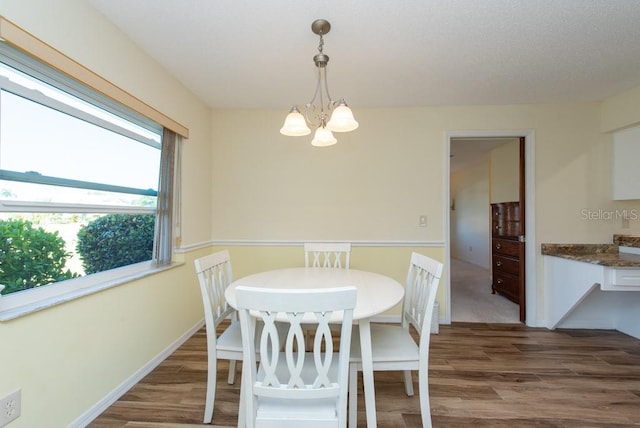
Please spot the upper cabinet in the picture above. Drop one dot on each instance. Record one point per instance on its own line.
(626, 174)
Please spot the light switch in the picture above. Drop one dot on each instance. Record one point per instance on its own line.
(423, 221)
(625, 222)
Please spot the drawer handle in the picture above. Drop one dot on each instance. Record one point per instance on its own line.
(498, 263)
(498, 246)
(499, 281)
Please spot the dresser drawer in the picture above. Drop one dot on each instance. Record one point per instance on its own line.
(506, 285)
(506, 264)
(505, 246)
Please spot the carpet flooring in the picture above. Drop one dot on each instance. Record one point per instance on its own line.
(471, 298)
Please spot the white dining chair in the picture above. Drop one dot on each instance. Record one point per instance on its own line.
(291, 387)
(214, 275)
(327, 254)
(393, 347)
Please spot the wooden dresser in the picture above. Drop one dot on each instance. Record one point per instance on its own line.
(505, 250)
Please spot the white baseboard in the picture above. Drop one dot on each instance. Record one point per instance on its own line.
(102, 405)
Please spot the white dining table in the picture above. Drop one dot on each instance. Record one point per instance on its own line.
(376, 294)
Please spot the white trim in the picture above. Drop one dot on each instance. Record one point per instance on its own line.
(183, 249)
(53, 207)
(446, 215)
(531, 296)
(276, 243)
(26, 302)
(103, 404)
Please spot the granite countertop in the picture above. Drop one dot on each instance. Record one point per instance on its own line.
(599, 254)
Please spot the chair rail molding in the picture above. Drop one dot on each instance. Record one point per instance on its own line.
(298, 243)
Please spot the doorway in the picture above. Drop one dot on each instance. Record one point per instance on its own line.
(468, 217)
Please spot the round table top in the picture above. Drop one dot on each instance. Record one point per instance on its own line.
(376, 293)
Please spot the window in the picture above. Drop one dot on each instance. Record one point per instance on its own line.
(78, 173)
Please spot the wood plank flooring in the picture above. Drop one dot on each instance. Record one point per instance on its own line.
(481, 375)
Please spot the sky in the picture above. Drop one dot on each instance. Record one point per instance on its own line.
(34, 137)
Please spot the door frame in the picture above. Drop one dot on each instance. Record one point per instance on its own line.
(531, 298)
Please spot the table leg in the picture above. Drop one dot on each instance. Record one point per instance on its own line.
(367, 372)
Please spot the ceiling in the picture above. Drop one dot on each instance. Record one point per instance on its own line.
(469, 151)
(258, 54)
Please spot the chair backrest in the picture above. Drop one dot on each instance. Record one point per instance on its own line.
(214, 275)
(327, 254)
(420, 293)
(301, 375)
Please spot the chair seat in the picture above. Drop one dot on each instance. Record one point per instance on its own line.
(321, 410)
(389, 343)
(231, 338)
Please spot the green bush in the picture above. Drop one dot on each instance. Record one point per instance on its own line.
(116, 240)
(30, 257)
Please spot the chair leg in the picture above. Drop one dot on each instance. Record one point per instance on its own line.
(211, 388)
(242, 413)
(232, 372)
(353, 395)
(425, 407)
(408, 382)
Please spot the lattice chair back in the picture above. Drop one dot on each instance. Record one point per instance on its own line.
(326, 254)
(291, 387)
(214, 275)
(420, 294)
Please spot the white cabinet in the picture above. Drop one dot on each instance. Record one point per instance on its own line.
(625, 170)
(586, 295)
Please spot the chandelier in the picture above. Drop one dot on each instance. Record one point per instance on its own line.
(327, 116)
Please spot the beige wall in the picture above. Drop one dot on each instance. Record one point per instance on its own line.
(620, 111)
(505, 172)
(373, 185)
(69, 357)
(377, 180)
(470, 222)
(247, 182)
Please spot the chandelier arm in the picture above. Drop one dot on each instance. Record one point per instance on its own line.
(330, 102)
(310, 107)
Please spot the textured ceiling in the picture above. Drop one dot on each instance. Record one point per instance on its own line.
(258, 54)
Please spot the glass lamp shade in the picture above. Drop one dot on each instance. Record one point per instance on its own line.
(342, 119)
(323, 137)
(295, 124)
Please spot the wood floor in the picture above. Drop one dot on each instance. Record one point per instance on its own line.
(481, 375)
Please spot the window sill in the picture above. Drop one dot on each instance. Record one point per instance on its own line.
(26, 302)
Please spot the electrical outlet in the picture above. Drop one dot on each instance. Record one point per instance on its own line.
(10, 407)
